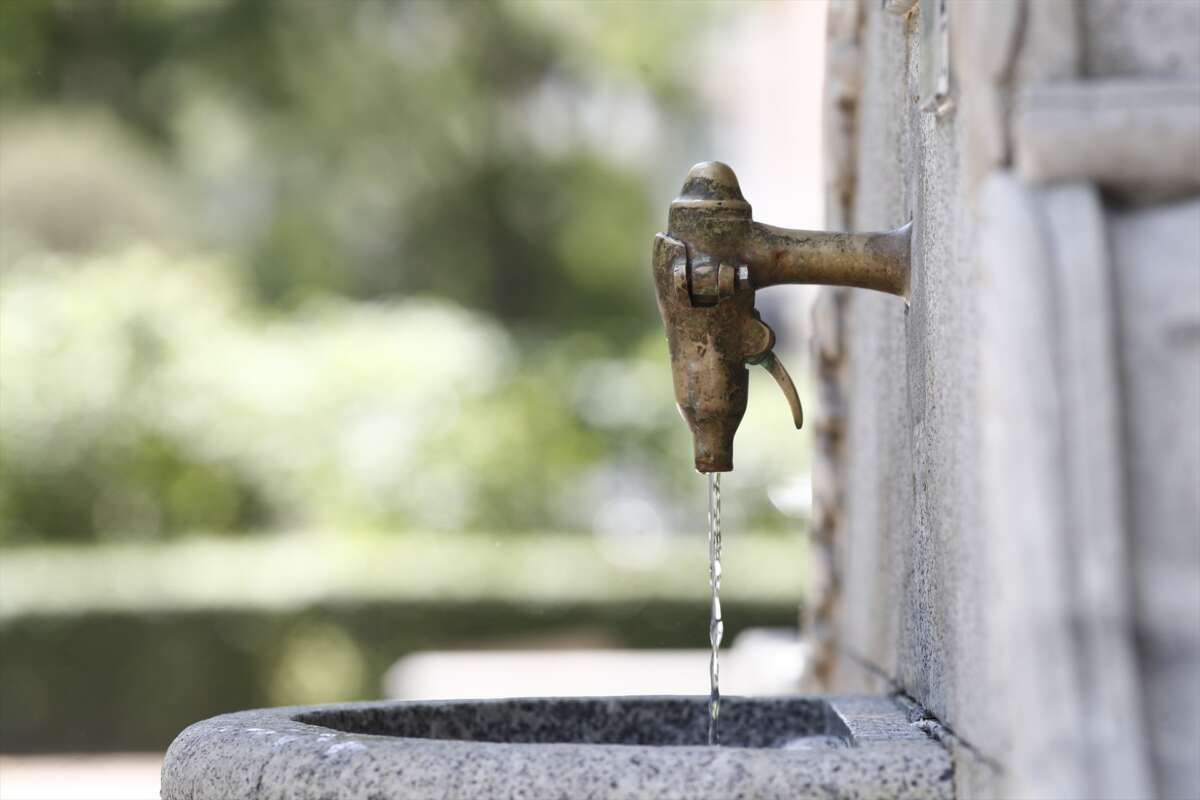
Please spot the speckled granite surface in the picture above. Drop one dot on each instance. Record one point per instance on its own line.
(569, 748)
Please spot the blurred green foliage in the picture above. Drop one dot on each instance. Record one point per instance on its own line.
(340, 264)
(138, 640)
(144, 396)
(119, 647)
(133, 680)
(373, 148)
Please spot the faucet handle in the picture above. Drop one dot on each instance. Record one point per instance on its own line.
(773, 365)
(765, 356)
(761, 340)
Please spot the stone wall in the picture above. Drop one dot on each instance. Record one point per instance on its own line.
(1007, 508)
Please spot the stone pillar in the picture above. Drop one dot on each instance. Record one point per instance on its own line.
(1008, 470)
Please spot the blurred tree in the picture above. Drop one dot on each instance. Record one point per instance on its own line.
(141, 397)
(489, 152)
(430, 306)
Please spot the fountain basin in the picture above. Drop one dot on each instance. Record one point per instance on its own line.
(578, 748)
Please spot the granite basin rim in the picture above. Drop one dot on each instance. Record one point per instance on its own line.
(610, 748)
(644, 721)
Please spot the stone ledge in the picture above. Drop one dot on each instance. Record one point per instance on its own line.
(255, 755)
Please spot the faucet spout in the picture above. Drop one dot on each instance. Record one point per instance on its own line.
(878, 261)
(707, 267)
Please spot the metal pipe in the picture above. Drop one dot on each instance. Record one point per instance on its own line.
(878, 261)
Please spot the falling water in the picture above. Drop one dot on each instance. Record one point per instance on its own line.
(716, 627)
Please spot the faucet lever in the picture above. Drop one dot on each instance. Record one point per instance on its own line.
(771, 363)
(761, 339)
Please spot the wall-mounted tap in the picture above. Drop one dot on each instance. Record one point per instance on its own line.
(707, 267)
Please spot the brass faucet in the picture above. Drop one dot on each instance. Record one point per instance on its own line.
(707, 267)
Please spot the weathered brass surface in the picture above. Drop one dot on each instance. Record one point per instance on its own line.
(707, 267)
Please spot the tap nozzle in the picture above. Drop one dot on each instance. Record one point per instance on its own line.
(707, 267)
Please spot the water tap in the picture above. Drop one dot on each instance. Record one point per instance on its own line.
(707, 267)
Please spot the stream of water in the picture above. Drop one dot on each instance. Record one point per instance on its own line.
(716, 627)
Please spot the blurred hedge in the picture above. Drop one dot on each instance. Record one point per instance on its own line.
(370, 264)
(119, 648)
(143, 397)
(132, 681)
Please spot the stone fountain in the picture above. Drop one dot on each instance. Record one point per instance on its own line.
(707, 269)
(620, 748)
